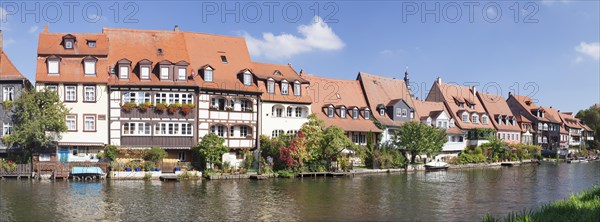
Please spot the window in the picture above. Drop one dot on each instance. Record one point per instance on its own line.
(71, 93)
(359, 138)
(181, 74)
(451, 123)
(218, 130)
(292, 132)
(91, 44)
(343, 112)
(7, 128)
(243, 131)
(218, 103)
(52, 87)
(44, 157)
(461, 104)
(471, 106)
(277, 133)
(136, 97)
(465, 117)
(187, 98)
(284, 87)
(404, 113)
(445, 124)
(173, 129)
(484, 119)
(71, 121)
(53, 66)
(89, 93)
(270, 86)
(89, 123)
(68, 44)
(279, 112)
(381, 112)
(429, 121)
(438, 123)
(298, 111)
(124, 72)
(145, 72)
(398, 112)
(164, 72)
(181, 156)
(355, 113)
(8, 93)
(247, 79)
(367, 114)
(289, 111)
(208, 74)
(330, 112)
(136, 129)
(90, 67)
(475, 118)
(224, 59)
(297, 87)
(245, 105)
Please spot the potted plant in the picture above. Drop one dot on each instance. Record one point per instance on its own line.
(128, 106)
(229, 108)
(187, 108)
(144, 107)
(148, 166)
(160, 107)
(172, 108)
(177, 167)
(129, 166)
(214, 107)
(157, 169)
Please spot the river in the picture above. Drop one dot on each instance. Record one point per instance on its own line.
(458, 195)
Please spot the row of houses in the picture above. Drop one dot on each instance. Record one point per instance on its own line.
(138, 89)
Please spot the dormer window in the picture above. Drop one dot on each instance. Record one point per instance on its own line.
(284, 87)
(429, 120)
(91, 44)
(270, 86)
(330, 111)
(224, 59)
(69, 44)
(181, 73)
(475, 118)
(124, 72)
(297, 88)
(343, 112)
(277, 73)
(89, 66)
(247, 78)
(451, 123)
(355, 113)
(367, 113)
(382, 112)
(484, 119)
(164, 72)
(461, 104)
(471, 106)
(208, 74)
(145, 72)
(465, 117)
(53, 65)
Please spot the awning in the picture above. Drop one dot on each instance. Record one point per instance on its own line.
(79, 144)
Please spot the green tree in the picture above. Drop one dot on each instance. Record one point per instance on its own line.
(313, 133)
(333, 143)
(211, 149)
(110, 152)
(155, 154)
(38, 121)
(591, 117)
(416, 138)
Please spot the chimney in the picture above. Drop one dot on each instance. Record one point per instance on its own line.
(474, 91)
(45, 28)
(301, 72)
(176, 29)
(439, 80)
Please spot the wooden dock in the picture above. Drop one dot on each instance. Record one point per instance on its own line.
(21, 170)
(169, 177)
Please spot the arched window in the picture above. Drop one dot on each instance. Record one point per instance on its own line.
(484, 119)
(246, 105)
(289, 111)
(218, 130)
(475, 118)
(277, 111)
(247, 78)
(382, 112)
(297, 90)
(271, 86)
(284, 87)
(367, 113)
(343, 112)
(298, 111)
(208, 74)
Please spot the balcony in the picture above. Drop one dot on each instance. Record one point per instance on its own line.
(161, 141)
(153, 112)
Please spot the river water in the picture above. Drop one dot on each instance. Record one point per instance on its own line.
(457, 195)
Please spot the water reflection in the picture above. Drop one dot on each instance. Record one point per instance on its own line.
(437, 196)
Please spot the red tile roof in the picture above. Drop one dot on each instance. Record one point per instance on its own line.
(496, 105)
(264, 71)
(339, 93)
(449, 93)
(51, 44)
(381, 90)
(8, 71)
(570, 121)
(425, 109)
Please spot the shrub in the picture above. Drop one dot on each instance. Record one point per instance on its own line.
(287, 173)
(110, 152)
(128, 106)
(147, 176)
(344, 163)
(155, 154)
(7, 105)
(148, 166)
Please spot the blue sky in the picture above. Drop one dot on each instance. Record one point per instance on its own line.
(552, 45)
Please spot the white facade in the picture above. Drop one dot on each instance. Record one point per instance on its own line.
(289, 120)
(87, 121)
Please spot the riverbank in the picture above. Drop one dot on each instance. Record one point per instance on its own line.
(584, 206)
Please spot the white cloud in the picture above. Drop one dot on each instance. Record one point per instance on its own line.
(589, 49)
(317, 36)
(33, 29)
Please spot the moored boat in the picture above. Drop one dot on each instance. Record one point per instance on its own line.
(433, 166)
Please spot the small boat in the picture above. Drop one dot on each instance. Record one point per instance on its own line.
(433, 166)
